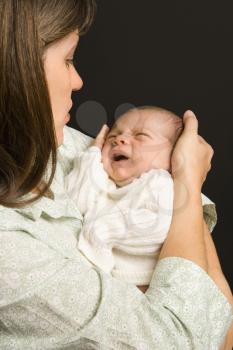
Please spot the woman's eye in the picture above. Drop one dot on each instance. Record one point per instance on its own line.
(141, 134)
(110, 136)
(70, 61)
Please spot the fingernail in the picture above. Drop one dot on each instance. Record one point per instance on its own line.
(190, 113)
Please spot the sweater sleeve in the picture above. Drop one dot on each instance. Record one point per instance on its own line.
(86, 179)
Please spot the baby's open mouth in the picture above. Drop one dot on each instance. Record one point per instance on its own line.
(118, 157)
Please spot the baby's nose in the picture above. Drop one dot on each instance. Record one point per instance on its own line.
(121, 139)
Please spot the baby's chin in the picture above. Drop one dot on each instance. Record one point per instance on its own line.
(123, 181)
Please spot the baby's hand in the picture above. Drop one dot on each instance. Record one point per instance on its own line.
(100, 138)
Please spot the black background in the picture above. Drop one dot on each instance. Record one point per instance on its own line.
(173, 54)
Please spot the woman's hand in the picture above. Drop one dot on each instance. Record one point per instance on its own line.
(190, 163)
(191, 158)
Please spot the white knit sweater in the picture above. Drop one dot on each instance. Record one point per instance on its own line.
(124, 228)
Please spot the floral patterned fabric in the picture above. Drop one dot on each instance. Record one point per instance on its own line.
(51, 297)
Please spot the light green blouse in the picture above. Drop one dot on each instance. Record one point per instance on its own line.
(51, 298)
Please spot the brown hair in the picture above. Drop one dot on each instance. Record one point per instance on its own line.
(27, 134)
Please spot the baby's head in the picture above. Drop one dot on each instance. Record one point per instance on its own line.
(140, 140)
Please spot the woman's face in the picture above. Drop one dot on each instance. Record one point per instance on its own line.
(62, 79)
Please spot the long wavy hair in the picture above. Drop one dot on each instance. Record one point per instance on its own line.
(27, 133)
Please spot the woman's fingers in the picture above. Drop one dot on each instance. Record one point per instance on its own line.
(191, 159)
(100, 138)
(209, 149)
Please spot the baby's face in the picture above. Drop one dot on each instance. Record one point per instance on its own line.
(140, 140)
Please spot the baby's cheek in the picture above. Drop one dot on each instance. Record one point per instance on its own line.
(141, 166)
(163, 160)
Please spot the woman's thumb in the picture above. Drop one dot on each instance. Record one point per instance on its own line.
(190, 122)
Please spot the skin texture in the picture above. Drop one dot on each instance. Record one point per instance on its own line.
(62, 79)
(146, 137)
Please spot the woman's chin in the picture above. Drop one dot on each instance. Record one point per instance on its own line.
(60, 138)
(67, 118)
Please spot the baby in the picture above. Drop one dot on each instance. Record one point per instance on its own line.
(123, 187)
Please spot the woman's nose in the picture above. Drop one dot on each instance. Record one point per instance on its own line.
(76, 82)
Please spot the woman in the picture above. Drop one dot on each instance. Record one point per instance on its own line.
(50, 296)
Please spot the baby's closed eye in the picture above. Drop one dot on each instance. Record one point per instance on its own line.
(111, 136)
(141, 133)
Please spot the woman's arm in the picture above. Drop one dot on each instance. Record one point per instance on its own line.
(186, 235)
(189, 238)
(215, 272)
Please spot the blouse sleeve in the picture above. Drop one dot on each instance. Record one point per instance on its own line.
(49, 301)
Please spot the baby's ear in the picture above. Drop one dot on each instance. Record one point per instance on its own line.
(101, 137)
(179, 127)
